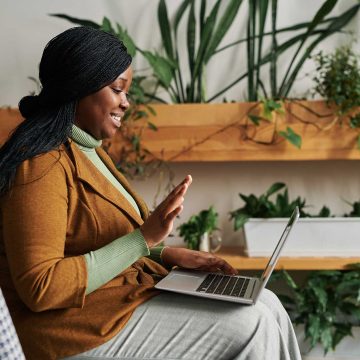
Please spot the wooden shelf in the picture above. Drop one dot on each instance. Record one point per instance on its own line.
(235, 256)
(221, 132)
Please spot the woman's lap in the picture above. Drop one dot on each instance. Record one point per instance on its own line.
(175, 326)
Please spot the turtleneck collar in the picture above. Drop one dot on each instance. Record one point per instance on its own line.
(83, 138)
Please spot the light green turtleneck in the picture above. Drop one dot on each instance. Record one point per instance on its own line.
(107, 262)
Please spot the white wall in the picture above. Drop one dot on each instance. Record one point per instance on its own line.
(26, 28)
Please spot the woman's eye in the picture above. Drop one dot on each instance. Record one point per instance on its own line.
(116, 91)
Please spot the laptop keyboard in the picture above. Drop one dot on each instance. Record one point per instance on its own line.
(224, 285)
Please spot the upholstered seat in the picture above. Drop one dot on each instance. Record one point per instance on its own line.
(10, 348)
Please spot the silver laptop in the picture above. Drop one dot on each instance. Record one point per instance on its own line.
(234, 288)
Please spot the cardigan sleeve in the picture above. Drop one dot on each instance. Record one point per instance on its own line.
(34, 232)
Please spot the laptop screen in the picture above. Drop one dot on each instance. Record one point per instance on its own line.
(274, 257)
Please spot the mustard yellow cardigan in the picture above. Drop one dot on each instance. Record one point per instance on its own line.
(59, 209)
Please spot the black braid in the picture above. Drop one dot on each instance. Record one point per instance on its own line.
(76, 63)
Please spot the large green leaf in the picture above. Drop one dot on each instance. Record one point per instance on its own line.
(123, 35)
(78, 21)
(179, 14)
(202, 16)
(163, 68)
(273, 52)
(206, 37)
(222, 27)
(336, 25)
(165, 30)
(291, 136)
(274, 188)
(250, 47)
(106, 26)
(191, 38)
(292, 28)
(262, 10)
(319, 16)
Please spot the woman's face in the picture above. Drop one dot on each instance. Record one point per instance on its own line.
(100, 113)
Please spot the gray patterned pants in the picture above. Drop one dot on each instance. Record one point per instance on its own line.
(173, 326)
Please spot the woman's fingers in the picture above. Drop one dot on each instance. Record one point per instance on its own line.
(213, 262)
(172, 215)
(187, 181)
(174, 202)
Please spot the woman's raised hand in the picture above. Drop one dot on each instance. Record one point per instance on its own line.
(161, 221)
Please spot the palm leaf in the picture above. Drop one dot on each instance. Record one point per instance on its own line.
(223, 26)
(250, 45)
(191, 35)
(179, 14)
(165, 29)
(263, 8)
(207, 34)
(336, 25)
(78, 21)
(319, 16)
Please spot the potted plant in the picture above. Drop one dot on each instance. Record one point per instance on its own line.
(325, 308)
(201, 231)
(263, 219)
(237, 131)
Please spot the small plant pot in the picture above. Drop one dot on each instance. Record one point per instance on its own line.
(320, 237)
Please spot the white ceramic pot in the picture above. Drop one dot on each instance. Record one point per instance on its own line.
(309, 237)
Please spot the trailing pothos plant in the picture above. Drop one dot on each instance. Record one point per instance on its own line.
(270, 109)
(328, 304)
(264, 207)
(197, 225)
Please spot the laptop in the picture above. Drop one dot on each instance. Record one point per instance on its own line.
(234, 288)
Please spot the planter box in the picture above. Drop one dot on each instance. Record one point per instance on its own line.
(319, 237)
(223, 132)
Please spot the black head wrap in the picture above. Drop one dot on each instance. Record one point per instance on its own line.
(76, 63)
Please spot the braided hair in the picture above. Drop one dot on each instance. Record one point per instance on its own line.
(74, 64)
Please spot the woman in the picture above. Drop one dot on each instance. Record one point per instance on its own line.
(79, 254)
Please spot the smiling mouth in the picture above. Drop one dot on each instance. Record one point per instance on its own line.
(116, 119)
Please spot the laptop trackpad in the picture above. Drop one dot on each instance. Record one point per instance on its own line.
(181, 281)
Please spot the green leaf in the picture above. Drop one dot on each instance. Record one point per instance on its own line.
(106, 26)
(222, 28)
(326, 338)
(313, 329)
(341, 331)
(355, 121)
(255, 119)
(289, 280)
(152, 126)
(205, 39)
(262, 10)
(333, 27)
(319, 16)
(291, 136)
(191, 35)
(274, 188)
(162, 67)
(123, 35)
(324, 212)
(179, 14)
(165, 30)
(78, 21)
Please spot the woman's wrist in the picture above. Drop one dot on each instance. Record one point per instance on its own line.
(166, 256)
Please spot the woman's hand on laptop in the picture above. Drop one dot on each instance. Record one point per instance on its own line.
(196, 260)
